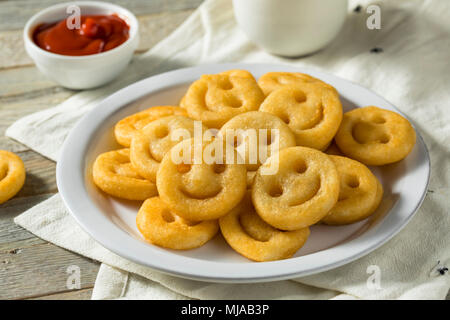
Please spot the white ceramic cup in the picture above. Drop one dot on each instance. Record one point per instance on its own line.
(82, 72)
(291, 27)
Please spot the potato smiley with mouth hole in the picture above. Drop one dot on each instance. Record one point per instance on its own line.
(231, 73)
(301, 193)
(114, 174)
(272, 81)
(250, 236)
(250, 142)
(150, 144)
(215, 99)
(360, 192)
(375, 136)
(12, 175)
(164, 228)
(238, 73)
(125, 128)
(205, 188)
(313, 112)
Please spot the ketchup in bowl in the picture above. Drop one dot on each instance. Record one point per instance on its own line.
(97, 33)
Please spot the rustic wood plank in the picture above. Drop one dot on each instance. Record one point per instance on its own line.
(26, 90)
(83, 294)
(152, 29)
(30, 267)
(41, 270)
(13, 236)
(10, 145)
(15, 107)
(41, 175)
(155, 27)
(24, 84)
(32, 240)
(12, 51)
(15, 13)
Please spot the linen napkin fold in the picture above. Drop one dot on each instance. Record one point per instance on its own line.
(412, 71)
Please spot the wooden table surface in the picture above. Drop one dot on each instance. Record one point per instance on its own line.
(31, 268)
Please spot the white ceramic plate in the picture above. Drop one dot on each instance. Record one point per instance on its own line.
(112, 222)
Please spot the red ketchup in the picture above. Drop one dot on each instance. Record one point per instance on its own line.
(96, 34)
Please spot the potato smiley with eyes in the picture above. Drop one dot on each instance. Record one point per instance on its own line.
(249, 129)
(127, 127)
(375, 136)
(360, 192)
(232, 73)
(114, 174)
(150, 144)
(253, 238)
(205, 188)
(272, 81)
(162, 227)
(313, 112)
(215, 99)
(301, 193)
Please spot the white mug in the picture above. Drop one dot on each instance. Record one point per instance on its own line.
(291, 27)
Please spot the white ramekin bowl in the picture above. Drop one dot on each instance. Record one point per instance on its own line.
(290, 27)
(82, 72)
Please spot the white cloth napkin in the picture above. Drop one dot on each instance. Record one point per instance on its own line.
(412, 71)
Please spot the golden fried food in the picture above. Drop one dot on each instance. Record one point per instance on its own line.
(257, 135)
(12, 175)
(150, 144)
(233, 73)
(238, 73)
(375, 136)
(272, 81)
(333, 150)
(301, 193)
(250, 177)
(250, 236)
(273, 163)
(360, 192)
(125, 128)
(114, 174)
(215, 99)
(164, 228)
(196, 190)
(313, 112)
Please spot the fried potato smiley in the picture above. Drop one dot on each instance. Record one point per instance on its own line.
(125, 128)
(114, 174)
(375, 136)
(360, 192)
(164, 228)
(253, 238)
(272, 81)
(232, 73)
(313, 112)
(249, 139)
(150, 144)
(12, 175)
(215, 99)
(301, 193)
(196, 190)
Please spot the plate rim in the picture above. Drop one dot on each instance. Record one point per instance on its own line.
(69, 177)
